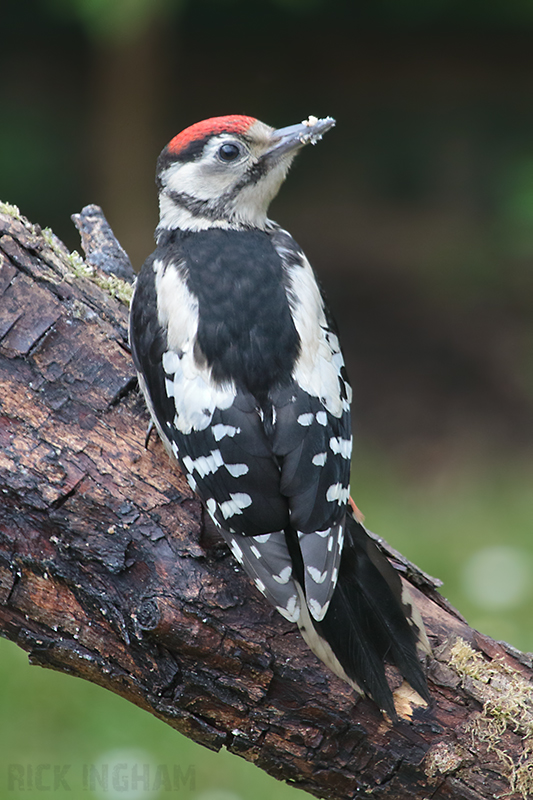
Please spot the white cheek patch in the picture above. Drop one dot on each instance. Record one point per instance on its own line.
(203, 179)
(207, 181)
(251, 203)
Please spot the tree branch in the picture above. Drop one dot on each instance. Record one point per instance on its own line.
(107, 571)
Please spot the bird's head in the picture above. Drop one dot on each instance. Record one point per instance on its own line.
(225, 171)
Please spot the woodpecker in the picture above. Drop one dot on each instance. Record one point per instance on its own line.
(240, 364)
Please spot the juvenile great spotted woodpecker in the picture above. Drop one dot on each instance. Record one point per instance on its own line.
(240, 364)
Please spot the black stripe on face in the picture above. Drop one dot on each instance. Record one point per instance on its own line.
(208, 209)
(213, 209)
(192, 152)
(253, 174)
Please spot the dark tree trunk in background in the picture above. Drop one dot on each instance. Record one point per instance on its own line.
(107, 572)
(128, 83)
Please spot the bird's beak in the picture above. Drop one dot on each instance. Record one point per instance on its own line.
(292, 138)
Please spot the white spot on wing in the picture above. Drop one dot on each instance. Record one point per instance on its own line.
(219, 431)
(211, 506)
(341, 446)
(235, 505)
(236, 470)
(204, 465)
(260, 585)
(264, 537)
(255, 551)
(320, 459)
(305, 419)
(236, 550)
(337, 492)
(322, 418)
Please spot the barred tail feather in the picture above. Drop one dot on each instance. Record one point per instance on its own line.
(371, 619)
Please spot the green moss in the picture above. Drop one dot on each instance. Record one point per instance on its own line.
(114, 286)
(13, 211)
(468, 662)
(507, 704)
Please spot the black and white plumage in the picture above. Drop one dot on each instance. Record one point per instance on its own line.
(243, 373)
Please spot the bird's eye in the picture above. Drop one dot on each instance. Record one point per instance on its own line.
(229, 152)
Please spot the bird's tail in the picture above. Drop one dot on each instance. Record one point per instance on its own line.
(371, 619)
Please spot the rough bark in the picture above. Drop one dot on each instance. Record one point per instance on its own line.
(107, 571)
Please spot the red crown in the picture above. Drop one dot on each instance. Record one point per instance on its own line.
(233, 123)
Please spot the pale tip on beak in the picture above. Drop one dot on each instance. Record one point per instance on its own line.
(310, 131)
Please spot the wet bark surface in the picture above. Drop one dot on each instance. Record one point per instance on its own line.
(109, 572)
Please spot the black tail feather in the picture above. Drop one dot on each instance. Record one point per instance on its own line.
(367, 621)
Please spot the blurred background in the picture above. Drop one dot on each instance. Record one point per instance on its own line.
(417, 213)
